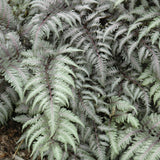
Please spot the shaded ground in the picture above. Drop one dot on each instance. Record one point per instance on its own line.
(9, 135)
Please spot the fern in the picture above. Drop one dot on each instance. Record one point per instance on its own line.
(143, 141)
(7, 99)
(6, 15)
(82, 77)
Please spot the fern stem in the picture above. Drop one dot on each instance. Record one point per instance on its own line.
(149, 148)
(18, 148)
(156, 61)
(92, 40)
(5, 50)
(41, 24)
(127, 136)
(132, 80)
(97, 139)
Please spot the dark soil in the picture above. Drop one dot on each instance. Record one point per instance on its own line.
(9, 135)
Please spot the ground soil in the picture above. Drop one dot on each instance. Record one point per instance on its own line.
(9, 135)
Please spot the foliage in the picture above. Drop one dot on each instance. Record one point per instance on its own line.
(83, 77)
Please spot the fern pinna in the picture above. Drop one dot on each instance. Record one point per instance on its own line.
(82, 77)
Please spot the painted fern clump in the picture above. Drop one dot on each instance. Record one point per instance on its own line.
(82, 77)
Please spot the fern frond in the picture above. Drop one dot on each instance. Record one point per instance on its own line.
(51, 22)
(154, 37)
(17, 77)
(110, 29)
(113, 138)
(6, 15)
(118, 2)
